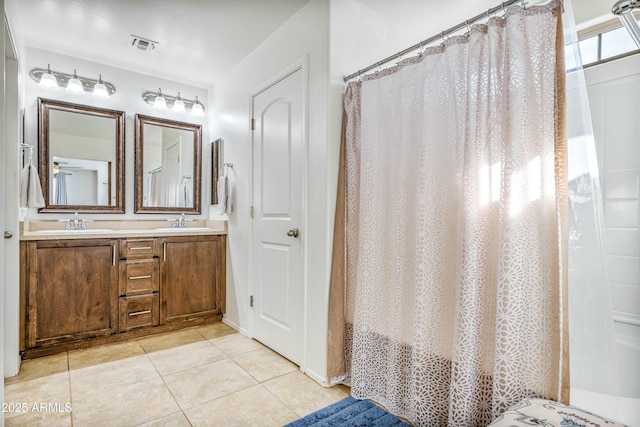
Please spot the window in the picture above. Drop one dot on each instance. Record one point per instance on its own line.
(606, 46)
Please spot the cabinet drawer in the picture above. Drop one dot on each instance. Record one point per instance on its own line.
(139, 311)
(139, 276)
(138, 248)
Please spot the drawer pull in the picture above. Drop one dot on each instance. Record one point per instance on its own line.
(139, 277)
(138, 313)
(140, 248)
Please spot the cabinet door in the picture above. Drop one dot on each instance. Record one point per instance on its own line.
(189, 278)
(72, 290)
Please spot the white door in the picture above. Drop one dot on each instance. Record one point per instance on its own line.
(278, 214)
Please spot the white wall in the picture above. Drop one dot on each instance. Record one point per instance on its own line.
(306, 33)
(614, 97)
(128, 98)
(319, 28)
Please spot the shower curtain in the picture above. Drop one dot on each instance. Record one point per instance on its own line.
(448, 293)
(60, 191)
(154, 188)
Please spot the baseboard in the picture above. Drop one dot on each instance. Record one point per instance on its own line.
(235, 326)
(320, 379)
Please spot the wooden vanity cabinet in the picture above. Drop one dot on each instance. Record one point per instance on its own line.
(77, 293)
(192, 277)
(71, 290)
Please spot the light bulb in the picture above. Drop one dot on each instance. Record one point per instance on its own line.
(48, 80)
(75, 85)
(160, 103)
(100, 90)
(197, 109)
(178, 105)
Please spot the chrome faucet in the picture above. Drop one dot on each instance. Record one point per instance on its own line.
(75, 224)
(181, 222)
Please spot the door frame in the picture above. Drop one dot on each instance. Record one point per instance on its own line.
(302, 65)
(9, 270)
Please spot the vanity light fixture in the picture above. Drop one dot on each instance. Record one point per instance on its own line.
(100, 90)
(177, 103)
(74, 85)
(197, 109)
(49, 79)
(160, 102)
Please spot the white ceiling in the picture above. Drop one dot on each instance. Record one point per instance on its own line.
(201, 40)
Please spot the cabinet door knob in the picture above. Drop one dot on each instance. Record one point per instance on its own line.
(8, 234)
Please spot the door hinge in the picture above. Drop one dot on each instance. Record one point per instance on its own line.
(253, 124)
(251, 301)
(251, 212)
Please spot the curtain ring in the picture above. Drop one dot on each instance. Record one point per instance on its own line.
(421, 52)
(468, 27)
(523, 4)
(442, 37)
(399, 58)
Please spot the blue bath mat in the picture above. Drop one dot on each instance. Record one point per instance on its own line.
(349, 412)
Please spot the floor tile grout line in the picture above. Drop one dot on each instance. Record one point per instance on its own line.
(220, 397)
(70, 387)
(279, 399)
(115, 389)
(169, 390)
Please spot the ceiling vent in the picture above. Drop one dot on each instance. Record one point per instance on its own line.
(142, 43)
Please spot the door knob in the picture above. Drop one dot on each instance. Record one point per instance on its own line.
(294, 232)
(8, 235)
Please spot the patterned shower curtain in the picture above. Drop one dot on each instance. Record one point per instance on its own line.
(448, 293)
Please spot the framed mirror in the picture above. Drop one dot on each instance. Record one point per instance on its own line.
(81, 158)
(168, 165)
(216, 168)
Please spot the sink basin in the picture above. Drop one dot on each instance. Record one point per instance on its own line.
(185, 229)
(91, 230)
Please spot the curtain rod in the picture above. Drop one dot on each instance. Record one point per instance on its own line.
(430, 40)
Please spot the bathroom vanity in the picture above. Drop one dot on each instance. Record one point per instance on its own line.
(89, 287)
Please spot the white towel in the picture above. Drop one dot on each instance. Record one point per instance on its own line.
(225, 194)
(30, 190)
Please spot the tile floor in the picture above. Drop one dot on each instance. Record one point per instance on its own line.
(204, 376)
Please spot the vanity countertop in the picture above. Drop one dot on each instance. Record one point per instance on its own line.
(99, 229)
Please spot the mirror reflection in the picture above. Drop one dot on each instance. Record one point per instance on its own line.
(82, 181)
(167, 165)
(81, 152)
